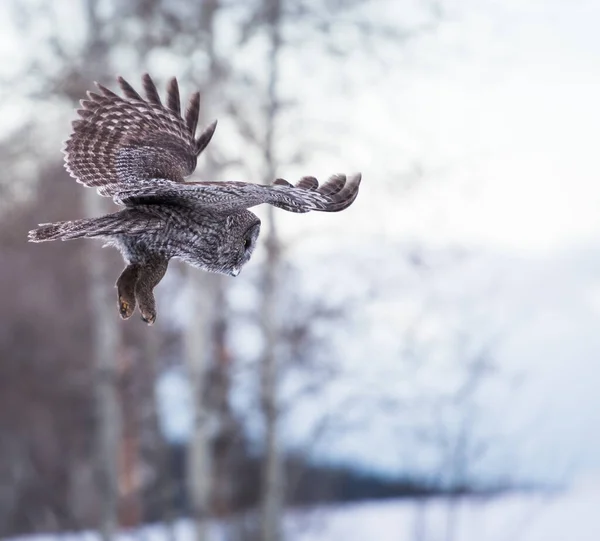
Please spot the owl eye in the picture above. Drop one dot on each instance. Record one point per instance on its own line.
(247, 243)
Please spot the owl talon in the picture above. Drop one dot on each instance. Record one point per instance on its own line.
(149, 318)
(125, 308)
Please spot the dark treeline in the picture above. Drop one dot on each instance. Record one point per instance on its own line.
(309, 484)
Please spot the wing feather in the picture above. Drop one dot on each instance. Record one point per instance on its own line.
(138, 150)
(150, 90)
(226, 197)
(192, 113)
(95, 97)
(120, 143)
(308, 183)
(128, 90)
(334, 185)
(107, 93)
(205, 137)
(173, 101)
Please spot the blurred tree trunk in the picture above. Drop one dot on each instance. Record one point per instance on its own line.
(166, 487)
(272, 478)
(273, 473)
(105, 328)
(420, 520)
(197, 340)
(223, 482)
(130, 511)
(198, 337)
(104, 353)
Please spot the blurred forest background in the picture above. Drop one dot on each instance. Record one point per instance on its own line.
(333, 369)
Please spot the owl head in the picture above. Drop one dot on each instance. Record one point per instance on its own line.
(233, 239)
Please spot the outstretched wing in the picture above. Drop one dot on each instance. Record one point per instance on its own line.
(120, 143)
(334, 195)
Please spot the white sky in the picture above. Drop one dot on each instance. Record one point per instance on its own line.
(503, 103)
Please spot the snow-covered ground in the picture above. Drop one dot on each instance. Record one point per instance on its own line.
(573, 515)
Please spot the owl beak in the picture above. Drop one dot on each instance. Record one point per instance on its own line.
(235, 272)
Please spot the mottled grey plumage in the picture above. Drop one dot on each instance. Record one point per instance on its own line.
(139, 151)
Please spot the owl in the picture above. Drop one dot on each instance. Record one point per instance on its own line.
(138, 151)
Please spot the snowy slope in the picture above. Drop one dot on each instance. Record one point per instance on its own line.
(569, 516)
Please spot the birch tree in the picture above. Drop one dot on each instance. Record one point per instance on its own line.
(204, 289)
(106, 332)
(272, 480)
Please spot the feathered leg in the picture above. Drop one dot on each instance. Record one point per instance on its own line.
(126, 290)
(148, 278)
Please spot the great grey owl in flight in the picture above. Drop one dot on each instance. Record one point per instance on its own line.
(139, 151)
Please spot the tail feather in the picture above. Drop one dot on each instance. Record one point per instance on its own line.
(75, 229)
(46, 232)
